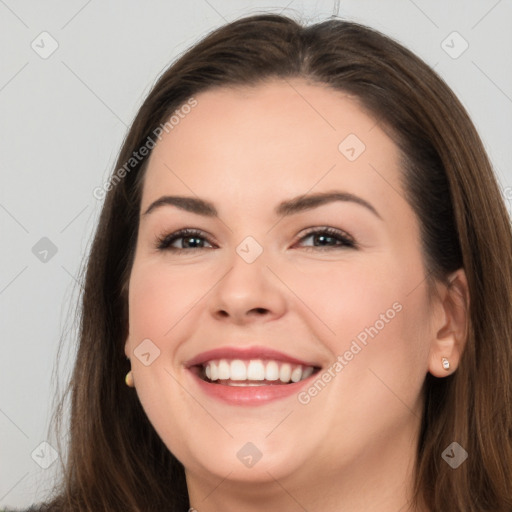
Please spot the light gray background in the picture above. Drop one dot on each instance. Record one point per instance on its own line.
(62, 122)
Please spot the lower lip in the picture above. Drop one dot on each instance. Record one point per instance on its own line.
(250, 395)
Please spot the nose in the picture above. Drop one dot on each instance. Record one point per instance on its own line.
(248, 292)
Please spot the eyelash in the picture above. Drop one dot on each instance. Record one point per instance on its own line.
(164, 243)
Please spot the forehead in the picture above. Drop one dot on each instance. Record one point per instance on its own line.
(280, 138)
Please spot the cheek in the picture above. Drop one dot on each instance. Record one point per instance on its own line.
(161, 301)
(389, 332)
(159, 298)
(350, 296)
(374, 314)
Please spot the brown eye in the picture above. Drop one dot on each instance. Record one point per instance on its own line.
(187, 239)
(328, 238)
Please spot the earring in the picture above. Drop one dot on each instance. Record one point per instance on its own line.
(446, 363)
(129, 379)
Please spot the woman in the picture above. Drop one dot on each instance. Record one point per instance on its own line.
(299, 295)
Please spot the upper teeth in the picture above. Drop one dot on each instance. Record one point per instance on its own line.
(255, 369)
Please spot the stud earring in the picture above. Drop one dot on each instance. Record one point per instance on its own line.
(129, 379)
(446, 363)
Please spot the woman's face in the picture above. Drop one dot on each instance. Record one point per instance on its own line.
(306, 252)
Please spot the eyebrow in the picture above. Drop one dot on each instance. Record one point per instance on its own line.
(285, 208)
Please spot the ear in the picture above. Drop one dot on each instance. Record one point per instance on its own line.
(451, 329)
(127, 344)
(128, 349)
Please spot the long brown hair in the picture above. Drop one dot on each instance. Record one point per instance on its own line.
(117, 462)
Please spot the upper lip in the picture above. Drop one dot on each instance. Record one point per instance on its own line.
(254, 352)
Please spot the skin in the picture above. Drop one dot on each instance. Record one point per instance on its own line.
(246, 150)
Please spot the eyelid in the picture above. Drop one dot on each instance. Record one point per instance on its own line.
(163, 242)
(334, 232)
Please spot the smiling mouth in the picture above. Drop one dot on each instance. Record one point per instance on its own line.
(252, 372)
